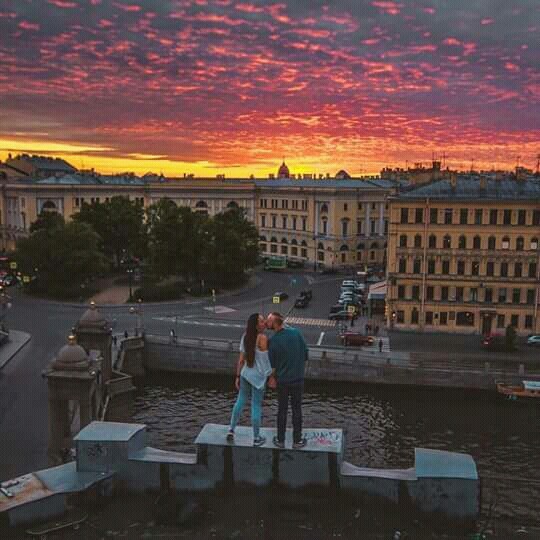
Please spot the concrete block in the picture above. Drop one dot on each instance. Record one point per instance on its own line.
(103, 446)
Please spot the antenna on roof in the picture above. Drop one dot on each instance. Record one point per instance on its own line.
(472, 164)
(444, 160)
(517, 162)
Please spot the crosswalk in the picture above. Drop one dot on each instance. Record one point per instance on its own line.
(306, 321)
(175, 320)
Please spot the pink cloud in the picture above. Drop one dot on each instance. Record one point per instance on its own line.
(487, 21)
(392, 8)
(63, 4)
(452, 41)
(249, 8)
(511, 67)
(128, 7)
(25, 25)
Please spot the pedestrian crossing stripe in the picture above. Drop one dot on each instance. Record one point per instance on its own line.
(310, 322)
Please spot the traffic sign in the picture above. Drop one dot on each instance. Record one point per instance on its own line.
(13, 265)
(351, 309)
(26, 279)
(275, 299)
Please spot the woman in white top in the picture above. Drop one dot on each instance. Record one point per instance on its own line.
(251, 374)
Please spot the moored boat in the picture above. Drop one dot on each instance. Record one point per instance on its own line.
(527, 390)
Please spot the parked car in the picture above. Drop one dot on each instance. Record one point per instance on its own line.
(356, 339)
(301, 302)
(533, 341)
(342, 315)
(495, 342)
(281, 295)
(308, 293)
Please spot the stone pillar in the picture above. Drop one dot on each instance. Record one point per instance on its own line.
(367, 225)
(381, 219)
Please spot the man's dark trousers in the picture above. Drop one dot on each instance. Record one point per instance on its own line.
(292, 391)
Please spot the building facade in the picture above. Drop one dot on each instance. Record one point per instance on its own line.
(463, 256)
(326, 222)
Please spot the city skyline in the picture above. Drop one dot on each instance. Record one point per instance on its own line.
(232, 87)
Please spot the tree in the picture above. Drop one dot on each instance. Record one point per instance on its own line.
(234, 247)
(120, 224)
(48, 221)
(65, 257)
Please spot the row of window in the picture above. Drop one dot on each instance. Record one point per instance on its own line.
(367, 206)
(462, 268)
(79, 201)
(461, 318)
(463, 244)
(494, 216)
(295, 204)
(284, 222)
(457, 294)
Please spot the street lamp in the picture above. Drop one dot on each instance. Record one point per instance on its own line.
(139, 320)
(130, 276)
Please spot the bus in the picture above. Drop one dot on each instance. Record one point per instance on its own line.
(275, 264)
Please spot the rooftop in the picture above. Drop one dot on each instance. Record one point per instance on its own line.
(475, 187)
(46, 162)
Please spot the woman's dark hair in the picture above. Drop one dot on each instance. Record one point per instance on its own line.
(250, 339)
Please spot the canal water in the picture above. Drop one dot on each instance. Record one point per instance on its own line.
(384, 425)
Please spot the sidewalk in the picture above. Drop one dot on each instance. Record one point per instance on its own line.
(17, 340)
(117, 294)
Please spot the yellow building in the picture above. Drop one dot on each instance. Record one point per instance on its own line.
(332, 222)
(463, 255)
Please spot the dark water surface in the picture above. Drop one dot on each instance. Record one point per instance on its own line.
(384, 425)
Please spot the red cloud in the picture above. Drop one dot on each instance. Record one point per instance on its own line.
(128, 7)
(392, 8)
(63, 4)
(452, 41)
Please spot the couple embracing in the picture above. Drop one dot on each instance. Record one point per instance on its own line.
(277, 362)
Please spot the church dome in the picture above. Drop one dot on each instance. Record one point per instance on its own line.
(283, 171)
(343, 175)
(72, 357)
(92, 317)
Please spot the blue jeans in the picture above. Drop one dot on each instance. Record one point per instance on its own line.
(256, 405)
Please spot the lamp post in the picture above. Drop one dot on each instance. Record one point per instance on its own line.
(130, 277)
(137, 311)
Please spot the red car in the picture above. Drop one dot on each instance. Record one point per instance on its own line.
(356, 339)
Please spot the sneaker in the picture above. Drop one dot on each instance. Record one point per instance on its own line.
(300, 444)
(278, 443)
(230, 436)
(259, 441)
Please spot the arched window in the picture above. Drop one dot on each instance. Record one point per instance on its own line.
(477, 242)
(506, 242)
(462, 242)
(284, 247)
(324, 226)
(201, 204)
(304, 243)
(294, 242)
(262, 238)
(49, 206)
(294, 247)
(273, 244)
(432, 241)
(447, 242)
(360, 247)
(320, 246)
(374, 245)
(233, 204)
(344, 247)
(273, 240)
(492, 243)
(417, 241)
(403, 240)
(284, 241)
(520, 243)
(324, 208)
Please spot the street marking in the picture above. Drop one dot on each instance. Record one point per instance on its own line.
(197, 323)
(310, 322)
(219, 309)
(320, 339)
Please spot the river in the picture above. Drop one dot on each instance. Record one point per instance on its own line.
(384, 425)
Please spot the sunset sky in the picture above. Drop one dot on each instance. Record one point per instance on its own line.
(225, 86)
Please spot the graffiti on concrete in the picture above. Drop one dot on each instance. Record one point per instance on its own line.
(96, 450)
(324, 437)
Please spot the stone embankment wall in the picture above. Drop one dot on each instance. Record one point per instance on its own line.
(341, 365)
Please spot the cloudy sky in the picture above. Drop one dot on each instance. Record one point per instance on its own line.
(208, 86)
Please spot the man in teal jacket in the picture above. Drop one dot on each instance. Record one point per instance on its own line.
(288, 354)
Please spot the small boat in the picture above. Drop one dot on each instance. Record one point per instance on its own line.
(527, 390)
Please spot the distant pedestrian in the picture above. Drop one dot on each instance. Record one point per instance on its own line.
(126, 334)
(380, 345)
(366, 328)
(115, 340)
(377, 330)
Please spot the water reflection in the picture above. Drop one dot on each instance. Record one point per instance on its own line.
(383, 426)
